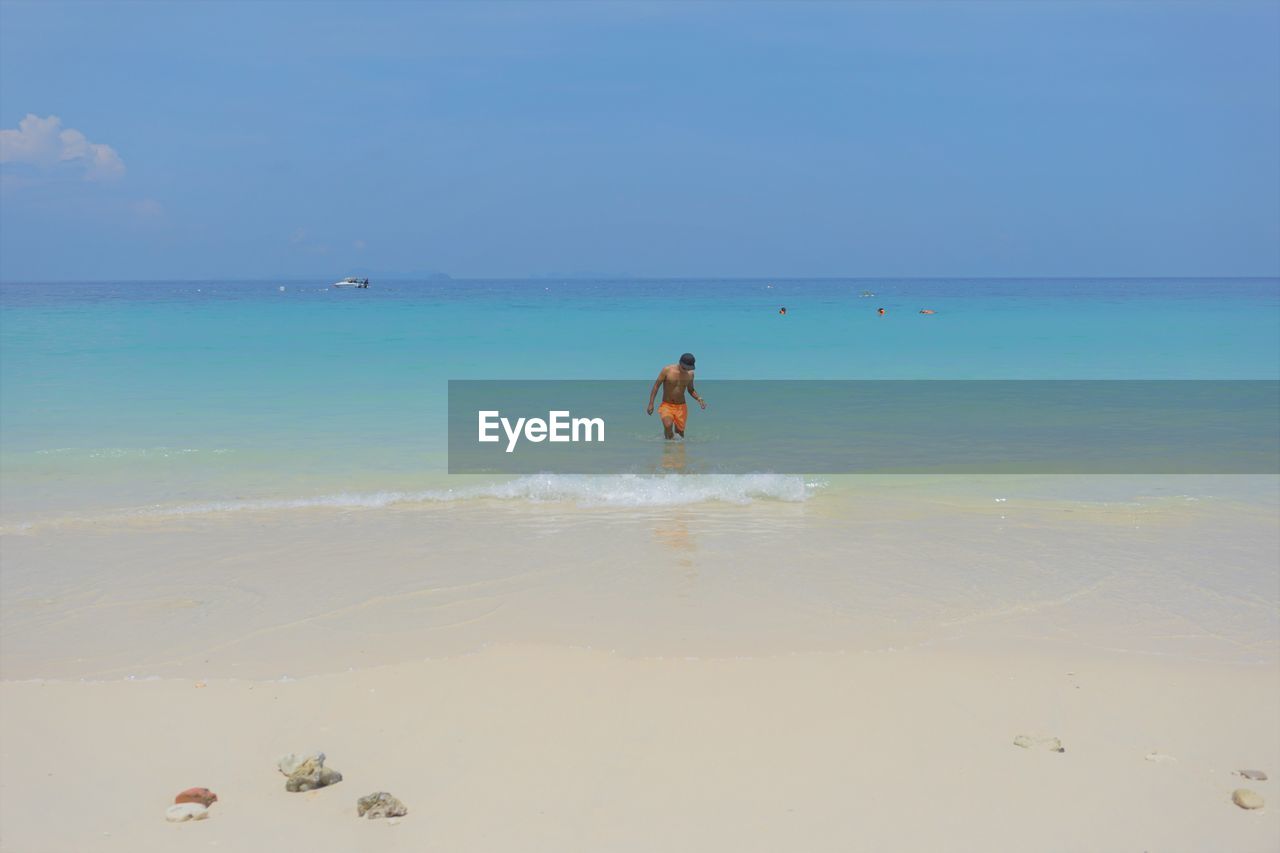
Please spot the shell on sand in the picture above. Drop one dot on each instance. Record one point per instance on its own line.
(1246, 799)
(1255, 775)
(180, 812)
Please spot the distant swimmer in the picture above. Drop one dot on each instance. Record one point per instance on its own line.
(674, 379)
(881, 311)
(783, 310)
(927, 311)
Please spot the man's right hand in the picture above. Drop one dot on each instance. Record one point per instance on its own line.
(649, 411)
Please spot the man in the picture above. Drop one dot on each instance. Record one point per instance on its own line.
(673, 380)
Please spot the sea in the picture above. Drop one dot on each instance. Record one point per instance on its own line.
(156, 397)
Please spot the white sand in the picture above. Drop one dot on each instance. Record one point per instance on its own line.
(835, 675)
(261, 595)
(557, 749)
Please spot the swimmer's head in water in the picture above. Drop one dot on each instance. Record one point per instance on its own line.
(782, 310)
(927, 311)
(881, 311)
(687, 361)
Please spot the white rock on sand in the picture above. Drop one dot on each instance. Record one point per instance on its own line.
(1246, 799)
(186, 811)
(291, 762)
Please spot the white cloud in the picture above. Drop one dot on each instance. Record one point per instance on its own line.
(43, 143)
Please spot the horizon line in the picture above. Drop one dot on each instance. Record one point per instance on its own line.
(542, 279)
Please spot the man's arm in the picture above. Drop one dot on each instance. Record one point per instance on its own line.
(694, 395)
(653, 392)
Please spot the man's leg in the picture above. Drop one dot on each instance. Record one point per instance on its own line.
(667, 423)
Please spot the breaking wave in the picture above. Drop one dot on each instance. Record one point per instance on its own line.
(620, 490)
(664, 490)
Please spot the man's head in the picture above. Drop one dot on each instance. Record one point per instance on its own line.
(687, 361)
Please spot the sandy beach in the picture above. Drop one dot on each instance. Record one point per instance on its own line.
(535, 748)
(531, 676)
(783, 426)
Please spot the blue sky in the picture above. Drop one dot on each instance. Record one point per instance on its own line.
(200, 140)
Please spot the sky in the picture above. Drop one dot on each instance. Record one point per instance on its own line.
(522, 139)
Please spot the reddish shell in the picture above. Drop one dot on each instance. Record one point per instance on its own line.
(203, 796)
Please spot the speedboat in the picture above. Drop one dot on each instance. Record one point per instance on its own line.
(352, 282)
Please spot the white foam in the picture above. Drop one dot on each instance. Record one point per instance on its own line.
(663, 490)
(621, 490)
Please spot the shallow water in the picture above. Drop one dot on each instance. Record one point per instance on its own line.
(131, 395)
(197, 474)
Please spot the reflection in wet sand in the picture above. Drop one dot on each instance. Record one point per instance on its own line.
(674, 534)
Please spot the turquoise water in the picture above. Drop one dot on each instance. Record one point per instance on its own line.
(130, 394)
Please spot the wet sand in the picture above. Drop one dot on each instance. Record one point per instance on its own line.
(847, 672)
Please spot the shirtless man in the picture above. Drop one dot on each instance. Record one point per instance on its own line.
(673, 380)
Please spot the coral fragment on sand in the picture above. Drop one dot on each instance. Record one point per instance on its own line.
(307, 773)
(380, 804)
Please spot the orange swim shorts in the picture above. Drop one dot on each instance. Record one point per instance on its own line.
(677, 412)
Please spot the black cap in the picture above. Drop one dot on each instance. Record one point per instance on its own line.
(686, 361)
